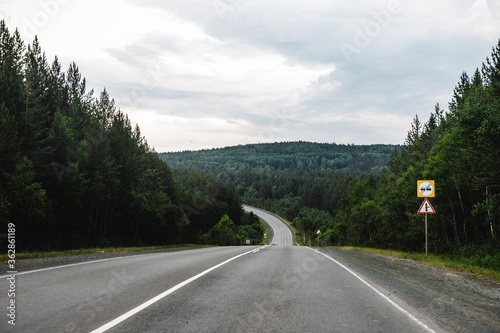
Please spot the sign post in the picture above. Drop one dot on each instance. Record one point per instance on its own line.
(426, 188)
(318, 233)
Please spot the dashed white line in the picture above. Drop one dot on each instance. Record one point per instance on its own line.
(144, 305)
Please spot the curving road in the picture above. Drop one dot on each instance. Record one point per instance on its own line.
(242, 289)
(282, 235)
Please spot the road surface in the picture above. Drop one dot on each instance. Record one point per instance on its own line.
(220, 289)
(282, 235)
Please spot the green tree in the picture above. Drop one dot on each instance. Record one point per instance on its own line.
(223, 233)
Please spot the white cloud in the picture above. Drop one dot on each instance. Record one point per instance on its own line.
(192, 133)
(198, 74)
(484, 18)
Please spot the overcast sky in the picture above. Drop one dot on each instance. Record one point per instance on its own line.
(200, 74)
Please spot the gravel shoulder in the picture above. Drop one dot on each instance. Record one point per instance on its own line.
(458, 302)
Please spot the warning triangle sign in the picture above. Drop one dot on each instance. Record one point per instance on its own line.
(426, 208)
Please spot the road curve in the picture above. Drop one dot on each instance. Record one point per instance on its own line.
(282, 235)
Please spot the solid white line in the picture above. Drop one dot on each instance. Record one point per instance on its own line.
(75, 264)
(144, 305)
(427, 328)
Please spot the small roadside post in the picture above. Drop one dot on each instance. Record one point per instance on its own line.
(426, 188)
(318, 233)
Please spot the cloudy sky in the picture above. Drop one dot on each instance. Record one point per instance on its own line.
(200, 74)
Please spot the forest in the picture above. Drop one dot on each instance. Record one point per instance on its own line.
(75, 173)
(287, 174)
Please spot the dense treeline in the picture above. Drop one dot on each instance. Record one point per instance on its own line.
(303, 157)
(301, 180)
(285, 176)
(75, 173)
(226, 232)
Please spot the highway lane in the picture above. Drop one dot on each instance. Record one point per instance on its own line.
(80, 298)
(279, 289)
(282, 235)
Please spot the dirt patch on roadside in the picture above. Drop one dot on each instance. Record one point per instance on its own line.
(458, 302)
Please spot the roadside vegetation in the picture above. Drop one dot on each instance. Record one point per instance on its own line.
(472, 264)
(226, 232)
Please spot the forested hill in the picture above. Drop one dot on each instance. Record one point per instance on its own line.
(285, 156)
(287, 174)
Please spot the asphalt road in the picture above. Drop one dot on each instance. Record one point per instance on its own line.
(282, 235)
(278, 289)
(83, 297)
(246, 289)
(224, 289)
(220, 289)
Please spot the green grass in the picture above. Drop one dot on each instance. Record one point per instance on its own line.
(31, 255)
(266, 231)
(445, 261)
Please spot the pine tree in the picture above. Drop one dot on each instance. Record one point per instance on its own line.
(459, 93)
(39, 115)
(491, 71)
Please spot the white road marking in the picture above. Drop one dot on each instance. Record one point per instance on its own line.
(260, 248)
(427, 328)
(71, 265)
(144, 305)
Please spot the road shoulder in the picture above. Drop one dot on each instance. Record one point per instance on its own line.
(24, 265)
(459, 302)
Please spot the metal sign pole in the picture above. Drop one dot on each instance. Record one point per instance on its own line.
(425, 234)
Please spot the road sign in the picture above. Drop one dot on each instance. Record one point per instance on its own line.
(426, 188)
(318, 232)
(426, 208)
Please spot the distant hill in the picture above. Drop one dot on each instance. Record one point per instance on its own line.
(296, 157)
